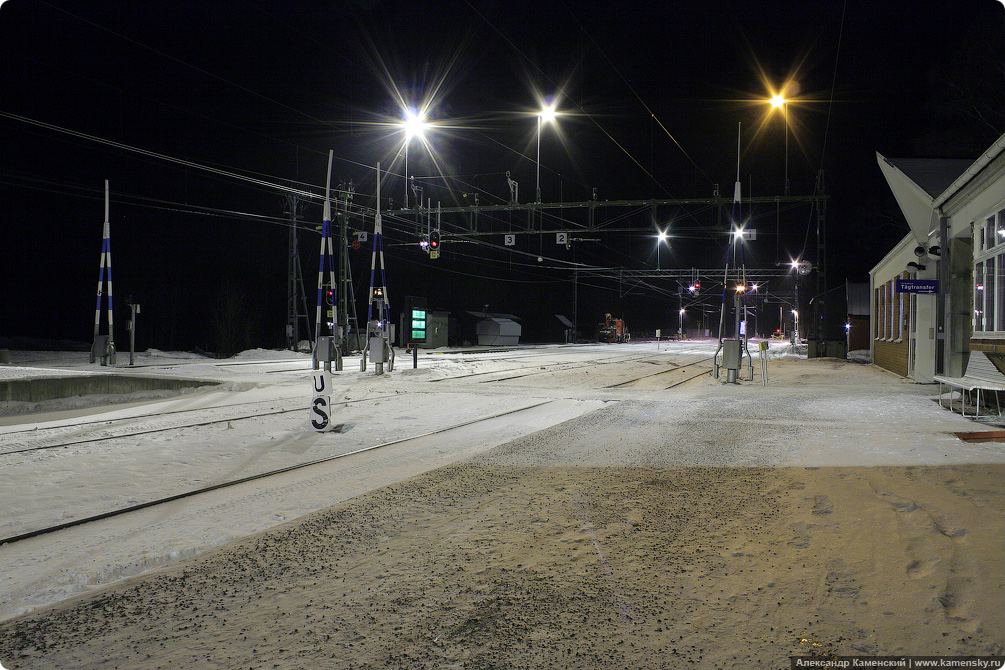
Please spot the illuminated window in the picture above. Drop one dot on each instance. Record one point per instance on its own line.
(989, 294)
(979, 297)
(889, 310)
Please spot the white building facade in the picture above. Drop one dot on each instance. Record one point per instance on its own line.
(950, 299)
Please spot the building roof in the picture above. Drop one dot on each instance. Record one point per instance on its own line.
(922, 185)
(493, 315)
(993, 152)
(933, 175)
(914, 200)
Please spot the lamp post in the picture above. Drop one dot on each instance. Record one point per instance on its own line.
(546, 114)
(780, 102)
(414, 125)
(680, 331)
(802, 268)
(661, 237)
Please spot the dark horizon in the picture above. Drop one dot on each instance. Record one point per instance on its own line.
(650, 100)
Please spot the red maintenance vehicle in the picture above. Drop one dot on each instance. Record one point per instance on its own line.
(612, 330)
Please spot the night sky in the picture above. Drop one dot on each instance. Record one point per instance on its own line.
(650, 97)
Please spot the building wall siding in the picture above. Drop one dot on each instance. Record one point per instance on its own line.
(892, 356)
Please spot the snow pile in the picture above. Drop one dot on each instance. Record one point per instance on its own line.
(778, 349)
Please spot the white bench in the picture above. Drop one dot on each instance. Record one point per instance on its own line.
(980, 375)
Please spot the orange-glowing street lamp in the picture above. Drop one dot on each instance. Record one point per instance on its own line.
(779, 101)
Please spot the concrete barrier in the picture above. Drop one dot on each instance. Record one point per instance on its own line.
(51, 388)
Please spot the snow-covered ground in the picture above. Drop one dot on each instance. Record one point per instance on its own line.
(500, 508)
(256, 420)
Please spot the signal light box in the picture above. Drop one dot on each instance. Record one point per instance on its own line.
(416, 316)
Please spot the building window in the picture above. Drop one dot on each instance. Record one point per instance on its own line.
(1000, 293)
(979, 297)
(889, 310)
(989, 274)
(990, 281)
(878, 325)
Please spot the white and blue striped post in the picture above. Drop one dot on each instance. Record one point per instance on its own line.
(104, 350)
(326, 252)
(377, 326)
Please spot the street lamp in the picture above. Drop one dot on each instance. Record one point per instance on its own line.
(413, 125)
(802, 268)
(780, 102)
(661, 237)
(546, 114)
(680, 331)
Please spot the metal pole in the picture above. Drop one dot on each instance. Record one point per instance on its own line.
(538, 191)
(785, 113)
(132, 331)
(575, 304)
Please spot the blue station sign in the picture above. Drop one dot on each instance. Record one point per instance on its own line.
(917, 285)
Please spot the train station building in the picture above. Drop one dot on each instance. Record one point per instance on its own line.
(940, 293)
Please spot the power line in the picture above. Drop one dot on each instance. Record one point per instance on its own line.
(169, 159)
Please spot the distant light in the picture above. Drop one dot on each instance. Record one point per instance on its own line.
(682, 311)
(777, 101)
(548, 114)
(415, 124)
(795, 312)
(661, 236)
(740, 288)
(753, 287)
(847, 327)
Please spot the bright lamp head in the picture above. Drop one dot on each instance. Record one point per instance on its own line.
(415, 124)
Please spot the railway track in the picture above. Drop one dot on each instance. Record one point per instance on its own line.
(42, 438)
(543, 369)
(250, 478)
(676, 368)
(54, 437)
